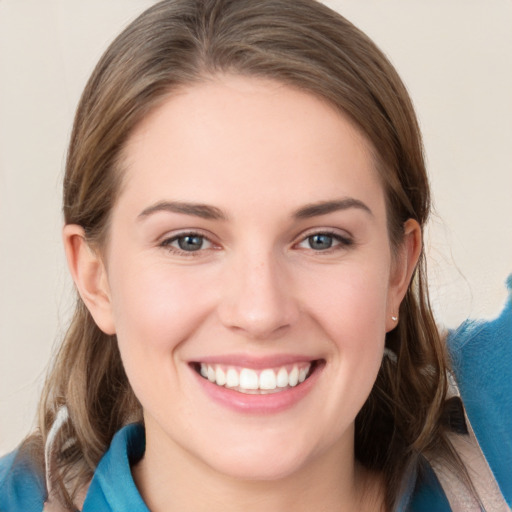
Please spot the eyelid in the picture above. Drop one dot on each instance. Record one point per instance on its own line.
(337, 232)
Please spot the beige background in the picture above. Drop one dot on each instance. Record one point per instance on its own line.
(454, 55)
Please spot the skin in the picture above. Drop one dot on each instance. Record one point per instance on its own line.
(258, 152)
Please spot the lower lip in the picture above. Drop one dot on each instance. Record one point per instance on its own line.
(259, 404)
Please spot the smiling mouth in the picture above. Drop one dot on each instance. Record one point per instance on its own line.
(251, 381)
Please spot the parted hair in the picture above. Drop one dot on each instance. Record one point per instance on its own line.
(300, 43)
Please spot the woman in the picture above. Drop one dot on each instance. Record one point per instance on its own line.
(244, 201)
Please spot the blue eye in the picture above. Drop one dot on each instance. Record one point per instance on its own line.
(325, 241)
(320, 241)
(187, 242)
(190, 242)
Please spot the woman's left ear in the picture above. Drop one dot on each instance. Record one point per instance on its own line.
(405, 262)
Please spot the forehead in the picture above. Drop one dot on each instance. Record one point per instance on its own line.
(258, 138)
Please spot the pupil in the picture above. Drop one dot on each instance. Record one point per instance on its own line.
(320, 241)
(190, 243)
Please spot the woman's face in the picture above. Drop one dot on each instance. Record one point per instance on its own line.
(250, 278)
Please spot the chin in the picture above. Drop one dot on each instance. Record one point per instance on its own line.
(256, 462)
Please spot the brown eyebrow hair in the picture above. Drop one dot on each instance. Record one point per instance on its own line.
(208, 212)
(325, 207)
(197, 209)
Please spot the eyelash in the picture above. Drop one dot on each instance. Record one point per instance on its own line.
(342, 242)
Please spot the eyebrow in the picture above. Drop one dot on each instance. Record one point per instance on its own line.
(325, 207)
(208, 212)
(203, 211)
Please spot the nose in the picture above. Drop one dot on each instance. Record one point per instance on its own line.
(258, 299)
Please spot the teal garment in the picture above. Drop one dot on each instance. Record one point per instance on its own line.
(21, 489)
(482, 356)
(112, 488)
(427, 495)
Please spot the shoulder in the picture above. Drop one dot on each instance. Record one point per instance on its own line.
(22, 488)
(481, 353)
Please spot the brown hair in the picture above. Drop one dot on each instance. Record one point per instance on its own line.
(306, 45)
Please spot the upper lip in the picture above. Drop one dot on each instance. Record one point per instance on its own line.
(255, 362)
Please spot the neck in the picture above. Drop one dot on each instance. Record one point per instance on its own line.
(327, 483)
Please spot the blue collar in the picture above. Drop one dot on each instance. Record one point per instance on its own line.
(112, 488)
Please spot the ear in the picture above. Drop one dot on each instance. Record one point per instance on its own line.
(90, 277)
(403, 267)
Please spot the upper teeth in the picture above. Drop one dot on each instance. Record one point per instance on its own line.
(248, 379)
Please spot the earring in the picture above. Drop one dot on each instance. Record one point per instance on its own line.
(394, 318)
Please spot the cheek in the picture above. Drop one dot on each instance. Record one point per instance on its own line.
(358, 330)
(352, 312)
(155, 311)
(156, 308)
(352, 303)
